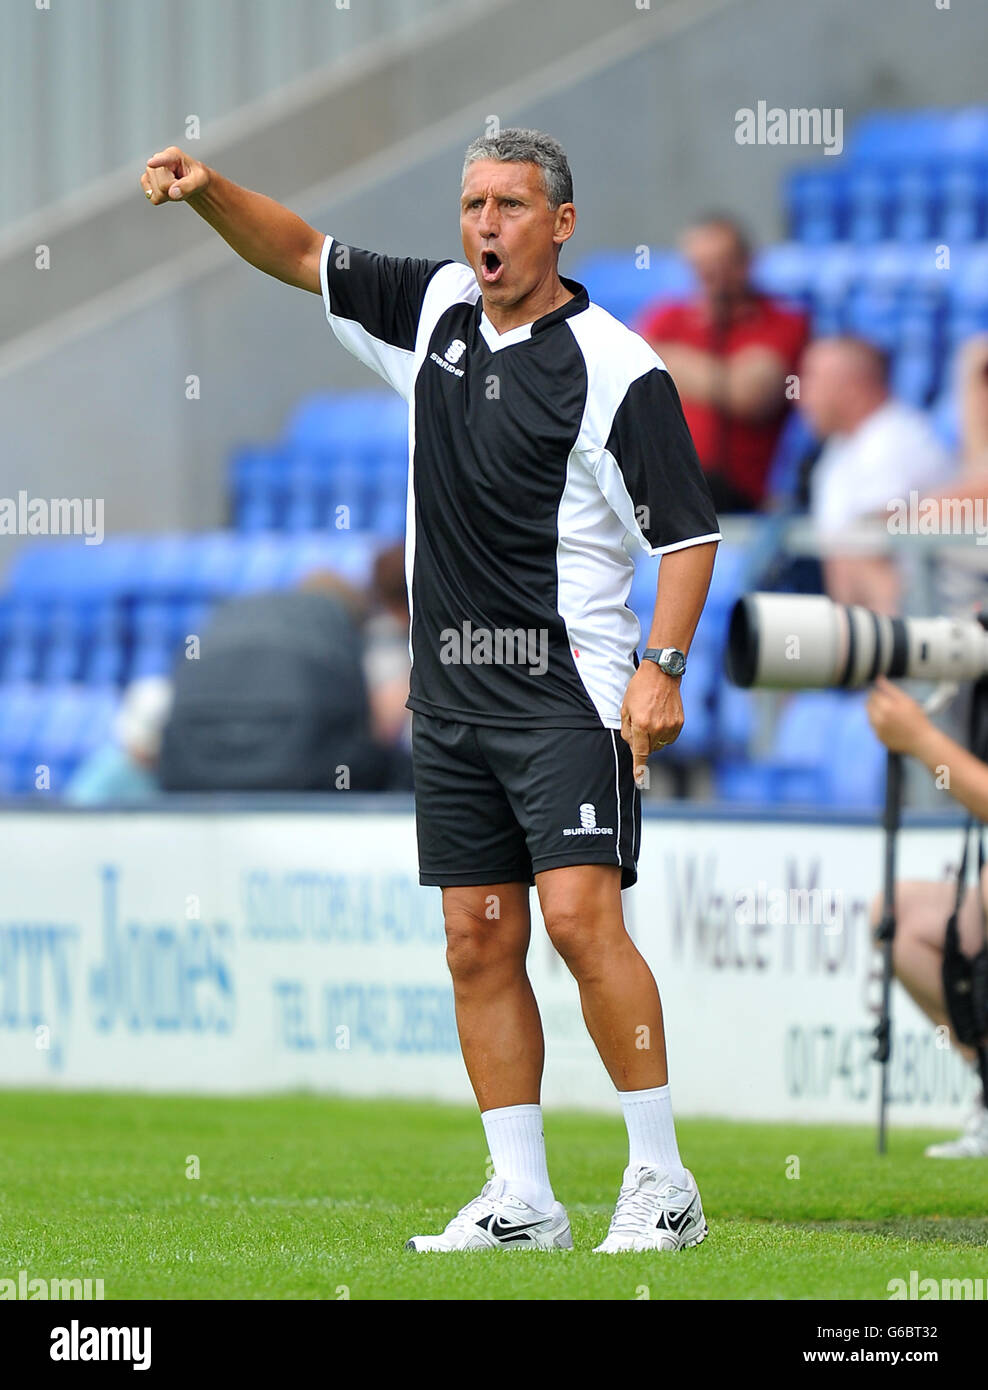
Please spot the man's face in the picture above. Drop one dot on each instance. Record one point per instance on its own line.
(720, 264)
(509, 234)
(824, 383)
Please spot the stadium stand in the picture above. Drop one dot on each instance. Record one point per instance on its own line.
(871, 236)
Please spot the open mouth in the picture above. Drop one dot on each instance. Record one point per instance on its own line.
(491, 267)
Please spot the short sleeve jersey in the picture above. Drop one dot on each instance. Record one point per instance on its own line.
(538, 458)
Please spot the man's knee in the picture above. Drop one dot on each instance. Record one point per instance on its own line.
(577, 936)
(581, 909)
(480, 941)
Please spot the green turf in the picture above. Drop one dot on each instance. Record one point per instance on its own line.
(308, 1197)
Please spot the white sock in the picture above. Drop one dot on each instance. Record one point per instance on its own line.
(651, 1131)
(517, 1147)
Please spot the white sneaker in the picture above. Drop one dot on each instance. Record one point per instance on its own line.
(653, 1213)
(496, 1219)
(973, 1143)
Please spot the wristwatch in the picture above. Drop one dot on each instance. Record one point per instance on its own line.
(668, 659)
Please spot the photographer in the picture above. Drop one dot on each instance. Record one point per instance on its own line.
(922, 908)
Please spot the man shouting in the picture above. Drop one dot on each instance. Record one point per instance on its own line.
(544, 438)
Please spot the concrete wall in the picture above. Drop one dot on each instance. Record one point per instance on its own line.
(90, 84)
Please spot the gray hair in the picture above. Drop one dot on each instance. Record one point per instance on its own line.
(516, 146)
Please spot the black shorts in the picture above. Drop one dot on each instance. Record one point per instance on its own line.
(495, 805)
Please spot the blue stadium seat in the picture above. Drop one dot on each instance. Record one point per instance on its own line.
(746, 783)
(869, 198)
(836, 269)
(873, 313)
(728, 582)
(20, 714)
(216, 562)
(107, 656)
(969, 277)
(786, 272)
(167, 569)
(855, 771)
(824, 754)
(64, 654)
(698, 738)
(188, 620)
(72, 721)
(153, 636)
(886, 138)
(264, 563)
(962, 216)
(796, 442)
(734, 717)
(257, 477)
(965, 135)
(349, 555)
(917, 368)
(916, 195)
(815, 205)
(388, 519)
(620, 284)
(49, 568)
(348, 493)
(27, 631)
(387, 499)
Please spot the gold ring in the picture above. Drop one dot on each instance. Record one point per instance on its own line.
(147, 193)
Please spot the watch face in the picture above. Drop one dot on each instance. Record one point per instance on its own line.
(674, 664)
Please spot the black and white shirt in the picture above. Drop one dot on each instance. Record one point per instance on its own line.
(536, 458)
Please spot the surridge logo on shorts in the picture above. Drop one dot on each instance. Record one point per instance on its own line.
(452, 354)
(588, 822)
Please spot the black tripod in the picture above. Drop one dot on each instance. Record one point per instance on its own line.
(891, 820)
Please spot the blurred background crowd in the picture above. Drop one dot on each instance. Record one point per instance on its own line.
(824, 375)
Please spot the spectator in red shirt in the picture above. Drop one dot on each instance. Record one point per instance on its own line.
(729, 351)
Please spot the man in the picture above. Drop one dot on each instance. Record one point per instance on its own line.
(543, 435)
(729, 351)
(876, 449)
(922, 908)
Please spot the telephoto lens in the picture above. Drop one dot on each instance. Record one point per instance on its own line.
(808, 642)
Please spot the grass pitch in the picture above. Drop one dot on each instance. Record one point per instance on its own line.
(304, 1197)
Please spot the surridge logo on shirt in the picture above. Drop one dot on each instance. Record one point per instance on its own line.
(588, 822)
(452, 355)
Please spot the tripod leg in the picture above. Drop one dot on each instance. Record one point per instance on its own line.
(886, 934)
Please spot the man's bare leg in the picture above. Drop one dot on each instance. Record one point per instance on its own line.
(497, 1017)
(487, 935)
(658, 1206)
(620, 1000)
